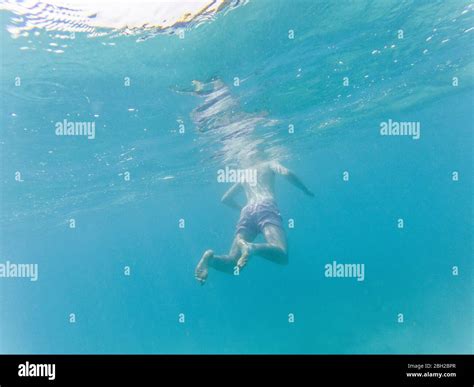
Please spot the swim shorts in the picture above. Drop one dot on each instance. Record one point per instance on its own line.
(255, 216)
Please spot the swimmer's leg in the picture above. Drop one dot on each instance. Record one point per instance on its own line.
(274, 250)
(223, 263)
(202, 269)
(227, 263)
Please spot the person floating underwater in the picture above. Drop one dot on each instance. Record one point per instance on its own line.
(259, 215)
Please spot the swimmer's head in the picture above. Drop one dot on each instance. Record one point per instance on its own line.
(253, 154)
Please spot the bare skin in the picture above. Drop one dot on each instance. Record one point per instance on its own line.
(242, 249)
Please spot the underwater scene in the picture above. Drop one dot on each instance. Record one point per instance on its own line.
(236, 177)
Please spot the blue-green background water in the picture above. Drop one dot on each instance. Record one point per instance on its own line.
(294, 81)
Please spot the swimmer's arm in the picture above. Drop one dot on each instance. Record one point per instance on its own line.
(291, 177)
(229, 196)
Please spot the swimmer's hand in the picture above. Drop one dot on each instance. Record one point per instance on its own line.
(308, 192)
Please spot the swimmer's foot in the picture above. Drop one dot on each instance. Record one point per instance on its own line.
(245, 251)
(202, 268)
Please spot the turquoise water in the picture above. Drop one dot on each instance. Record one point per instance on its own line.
(281, 82)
